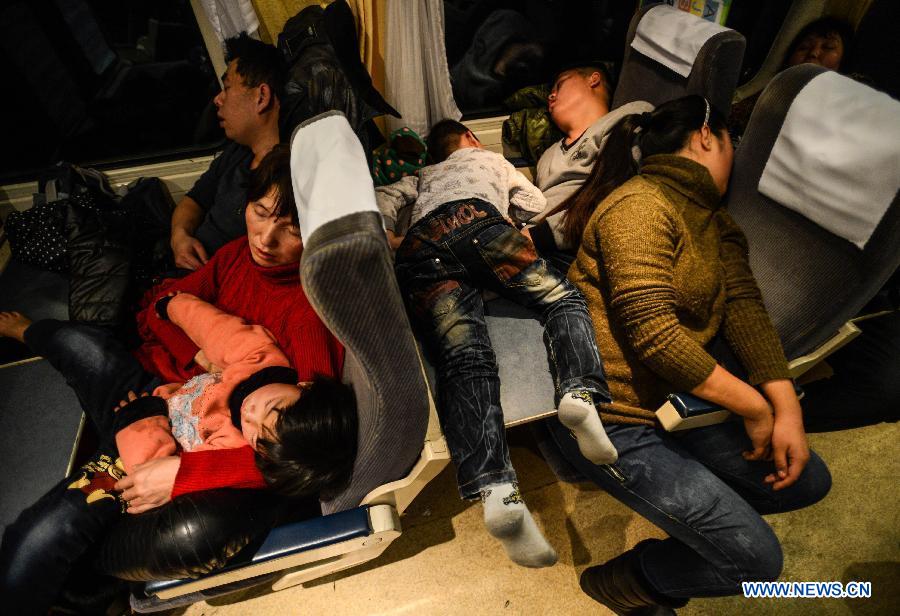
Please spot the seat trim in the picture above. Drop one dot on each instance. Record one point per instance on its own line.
(800, 365)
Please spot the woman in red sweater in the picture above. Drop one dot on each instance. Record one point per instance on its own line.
(256, 278)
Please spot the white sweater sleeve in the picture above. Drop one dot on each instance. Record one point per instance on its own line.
(394, 197)
(525, 199)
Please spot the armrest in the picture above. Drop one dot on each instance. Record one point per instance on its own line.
(845, 334)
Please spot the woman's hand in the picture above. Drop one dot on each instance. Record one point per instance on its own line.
(722, 387)
(790, 450)
(150, 484)
(759, 428)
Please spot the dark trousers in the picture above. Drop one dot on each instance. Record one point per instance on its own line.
(443, 264)
(41, 547)
(697, 487)
(865, 388)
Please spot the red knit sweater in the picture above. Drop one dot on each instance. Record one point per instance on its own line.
(272, 297)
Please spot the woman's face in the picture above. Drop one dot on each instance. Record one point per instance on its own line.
(274, 240)
(825, 51)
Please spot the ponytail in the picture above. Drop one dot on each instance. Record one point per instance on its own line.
(635, 137)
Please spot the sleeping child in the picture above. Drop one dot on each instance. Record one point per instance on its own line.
(304, 434)
(461, 240)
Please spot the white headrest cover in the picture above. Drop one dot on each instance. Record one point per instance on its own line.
(673, 37)
(329, 172)
(836, 160)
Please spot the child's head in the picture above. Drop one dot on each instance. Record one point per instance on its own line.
(446, 137)
(304, 435)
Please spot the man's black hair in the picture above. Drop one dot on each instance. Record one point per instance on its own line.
(257, 63)
(443, 139)
(313, 446)
(274, 171)
(588, 69)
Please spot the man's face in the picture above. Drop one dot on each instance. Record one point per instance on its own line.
(569, 91)
(236, 106)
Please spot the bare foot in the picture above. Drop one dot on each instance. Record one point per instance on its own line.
(13, 325)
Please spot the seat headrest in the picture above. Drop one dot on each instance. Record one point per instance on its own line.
(673, 37)
(836, 160)
(339, 183)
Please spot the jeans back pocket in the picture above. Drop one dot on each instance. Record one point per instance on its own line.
(510, 256)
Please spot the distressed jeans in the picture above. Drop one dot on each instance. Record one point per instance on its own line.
(444, 263)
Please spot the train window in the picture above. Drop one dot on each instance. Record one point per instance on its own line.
(103, 81)
(495, 47)
(759, 22)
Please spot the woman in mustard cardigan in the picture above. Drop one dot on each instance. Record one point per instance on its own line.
(664, 270)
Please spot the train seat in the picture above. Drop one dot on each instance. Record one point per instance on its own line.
(815, 189)
(798, 15)
(235, 538)
(671, 53)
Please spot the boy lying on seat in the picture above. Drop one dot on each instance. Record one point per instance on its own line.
(461, 240)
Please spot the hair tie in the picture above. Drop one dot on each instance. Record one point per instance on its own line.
(641, 122)
(708, 110)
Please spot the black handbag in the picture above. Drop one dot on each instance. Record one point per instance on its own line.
(37, 236)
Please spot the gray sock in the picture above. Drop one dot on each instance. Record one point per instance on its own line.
(578, 413)
(508, 519)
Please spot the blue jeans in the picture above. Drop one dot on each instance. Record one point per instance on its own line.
(696, 486)
(445, 261)
(40, 549)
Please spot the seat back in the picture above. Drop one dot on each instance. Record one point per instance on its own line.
(815, 189)
(348, 276)
(671, 53)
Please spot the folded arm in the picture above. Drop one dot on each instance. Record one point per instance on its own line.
(750, 333)
(202, 284)
(226, 340)
(142, 430)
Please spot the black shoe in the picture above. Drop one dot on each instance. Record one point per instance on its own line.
(619, 585)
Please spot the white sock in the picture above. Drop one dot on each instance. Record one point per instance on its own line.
(578, 413)
(508, 519)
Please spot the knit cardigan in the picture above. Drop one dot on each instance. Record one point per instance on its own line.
(664, 269)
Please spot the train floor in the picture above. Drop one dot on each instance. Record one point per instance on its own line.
(446, 563)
